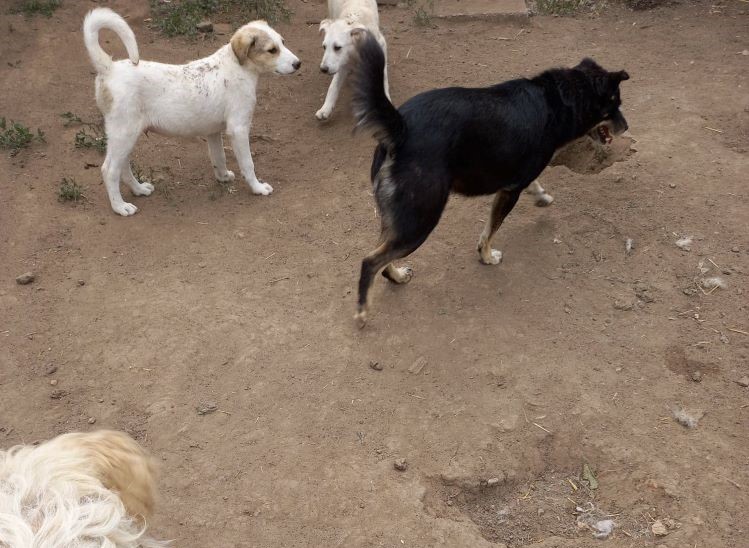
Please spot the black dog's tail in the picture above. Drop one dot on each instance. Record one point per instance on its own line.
(372, 108)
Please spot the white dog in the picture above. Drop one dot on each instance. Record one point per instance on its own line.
(347, 20)
(78, 490)
(201, 98)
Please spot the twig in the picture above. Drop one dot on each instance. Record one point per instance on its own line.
(224, 412)
(278, 280)
(572, 483)
(415, 396)
(713, 129)
(542, 428)
(269, 256)
(738, 331)
(736, 485)
(408, 52)
(715, 265)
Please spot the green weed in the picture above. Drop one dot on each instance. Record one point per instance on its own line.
(15, 136)
(70, 190)
(38, 7)
(94, 140)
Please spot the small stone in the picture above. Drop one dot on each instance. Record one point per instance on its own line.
(658, 529)
(361, 505)
(51, 370)
(58, 394)
(449, 502)
(491, 482)
(53, 382)
(697, 376)
(745, 52)
(417, 365)
(204, 408)
(377, 366)
(91, 420)
(540, 512)
(204, 26)
(25, 279)
(743, 381)
(81, 282)
(621, 305)
(100, 400)
(735, 249)
(672, 185)
(400, 465)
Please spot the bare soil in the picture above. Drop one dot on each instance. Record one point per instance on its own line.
(570, 352)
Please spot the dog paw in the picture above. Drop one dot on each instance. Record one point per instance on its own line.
(322, 114)
(226, 177)
(361, 318)
(400, 275)
(543, 200)
(142, 189)
(125, 209)
(261, 188)
(495, 257)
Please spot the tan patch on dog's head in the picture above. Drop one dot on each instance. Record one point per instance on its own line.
(256, 45)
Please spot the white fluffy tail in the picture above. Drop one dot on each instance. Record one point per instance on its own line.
(104, 18)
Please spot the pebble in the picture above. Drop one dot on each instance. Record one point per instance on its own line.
(672, 185)
(400, 465)
(204, 408)
(91, 420)
(621, 305)
(743, 381)
(540, 511)
(81, 282)
(735, 249)
(52, 369)
(697, 376)
(58, 394)
(204, 26)
(491, 482)
(53, 382)
(26, 278)
(658, 529)
(377, 366)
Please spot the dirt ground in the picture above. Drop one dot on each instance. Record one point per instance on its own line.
(571, 352)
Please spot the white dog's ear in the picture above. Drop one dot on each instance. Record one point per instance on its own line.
(358, 32)
(324, 24)
(244, 40)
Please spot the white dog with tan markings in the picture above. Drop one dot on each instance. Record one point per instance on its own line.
(202, 98)
(347, 21)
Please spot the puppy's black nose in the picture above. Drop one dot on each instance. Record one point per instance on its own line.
(297, 64)
(324, 69)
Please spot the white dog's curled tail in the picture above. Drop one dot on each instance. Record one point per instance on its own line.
(105, 18)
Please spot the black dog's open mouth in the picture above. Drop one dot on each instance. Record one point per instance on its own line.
(603, 134)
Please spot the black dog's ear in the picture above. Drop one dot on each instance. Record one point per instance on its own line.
(587, 63)
(622, 75)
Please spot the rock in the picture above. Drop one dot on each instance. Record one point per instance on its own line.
(58, 394)
(697, 376)
(204, 26)
(81, 282)
(91, 420)
(377, 366)
(25, 279)
(53, 382)
(51, 369)
(417, 365)
(659, 529)
(743, 381)
(223, 28)
(672, 185)
(622, 305)
(400, 464)
(491, 482)
(735, 249)
(205, 408)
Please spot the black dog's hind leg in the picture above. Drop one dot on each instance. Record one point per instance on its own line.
(504, 201)
(394, 246)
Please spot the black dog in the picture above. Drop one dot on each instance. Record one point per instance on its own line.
(471, 141)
